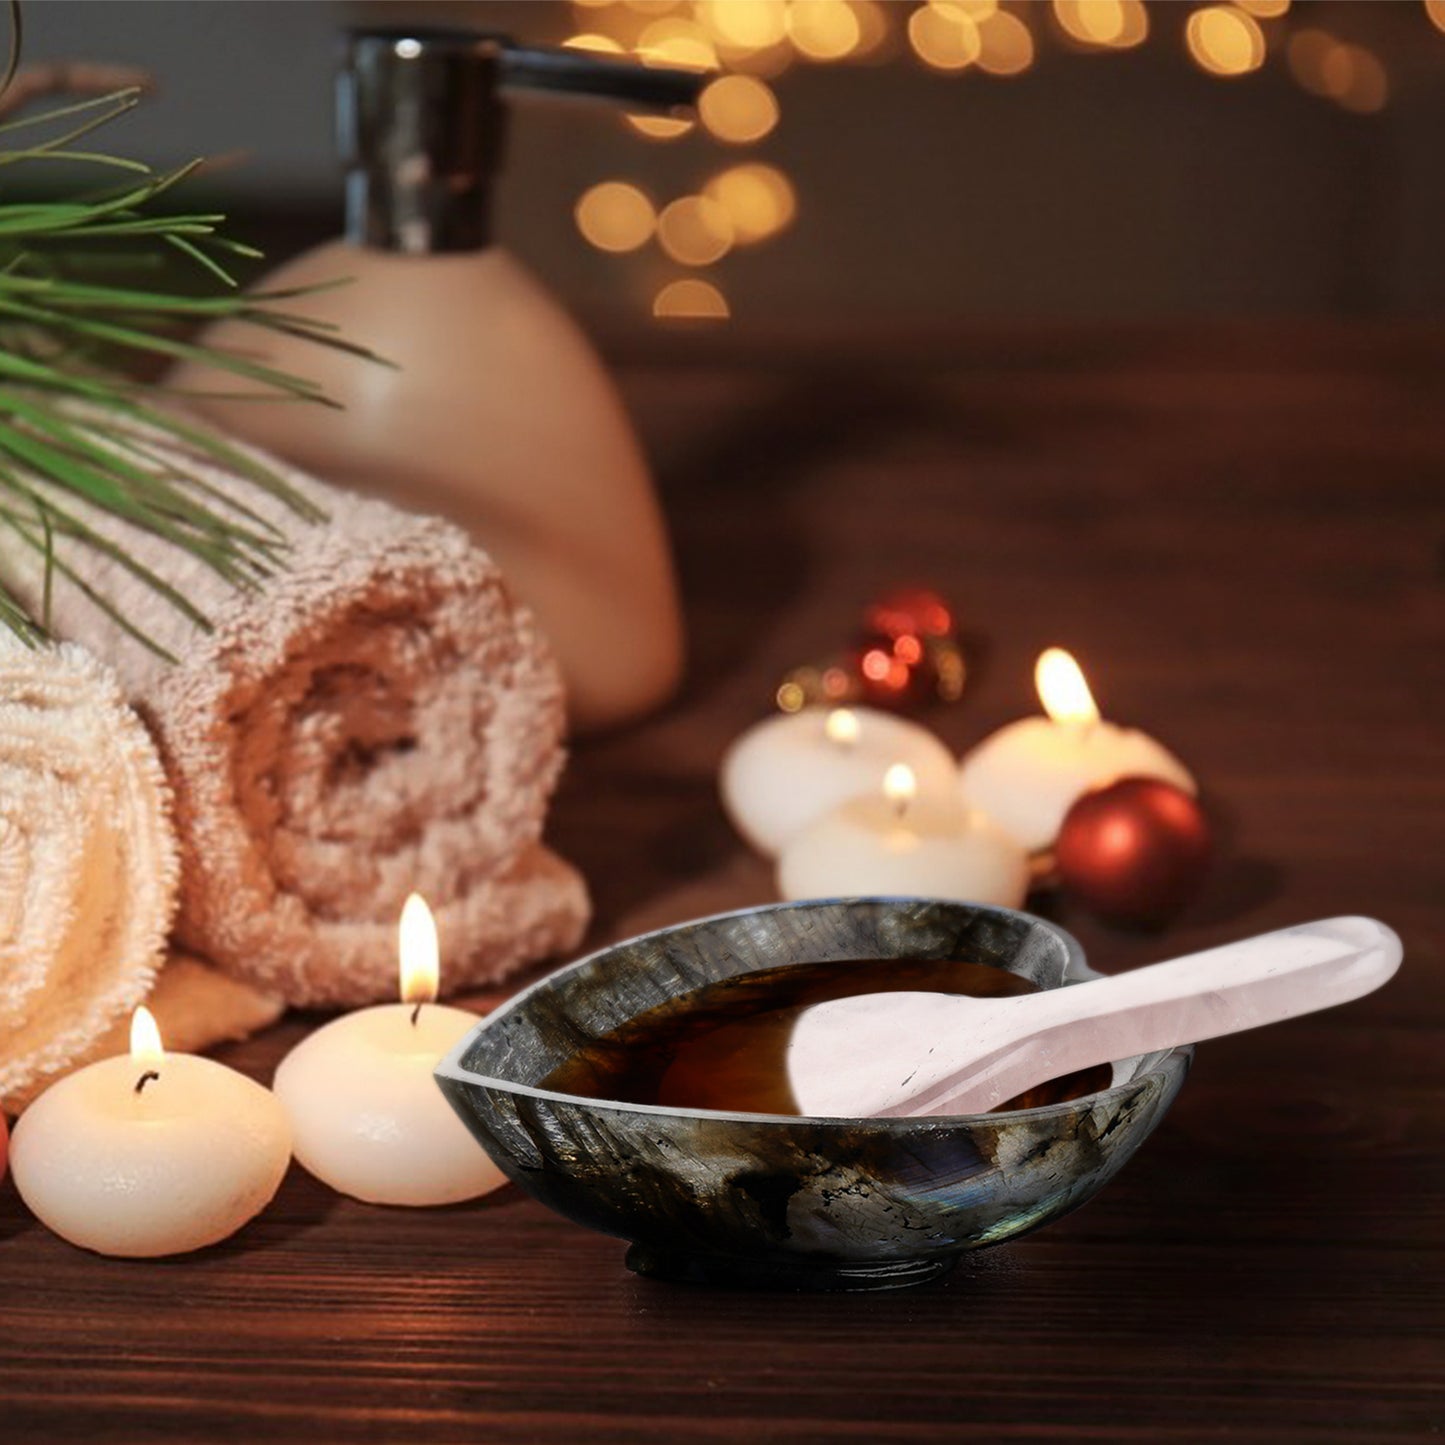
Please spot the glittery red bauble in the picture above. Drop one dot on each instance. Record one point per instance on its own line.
(909, 654)
(916, 610)
(906, 656)
(1135, 851)
(893, 673)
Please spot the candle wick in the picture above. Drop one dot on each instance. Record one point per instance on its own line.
(900, 808)
(416, 1012)
(144, 1079)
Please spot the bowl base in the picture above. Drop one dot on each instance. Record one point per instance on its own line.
(798, 1273)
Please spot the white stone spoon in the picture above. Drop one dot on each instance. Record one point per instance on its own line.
(912, 1054)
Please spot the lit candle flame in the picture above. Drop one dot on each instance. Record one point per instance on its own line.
(419, 951)
(145, 1040)
(842, 727)
(1062, 689)
(900, 786)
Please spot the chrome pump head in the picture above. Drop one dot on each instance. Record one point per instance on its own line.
(421, 117)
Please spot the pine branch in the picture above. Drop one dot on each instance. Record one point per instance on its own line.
(69, 425)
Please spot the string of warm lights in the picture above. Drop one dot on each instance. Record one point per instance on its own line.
(751, 42)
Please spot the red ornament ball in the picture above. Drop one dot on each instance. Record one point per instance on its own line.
(906, 655)
(916, 611)
(1135, 851)
(891, 673)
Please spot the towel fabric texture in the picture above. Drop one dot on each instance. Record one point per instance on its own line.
(88, 861)
(377, 717)
(195, 1006)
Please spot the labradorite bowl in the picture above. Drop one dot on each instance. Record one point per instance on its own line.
(776, 1200)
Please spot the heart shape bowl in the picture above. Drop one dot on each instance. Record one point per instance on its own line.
(767, 1200)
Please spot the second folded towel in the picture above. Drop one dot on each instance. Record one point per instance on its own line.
(378, 716)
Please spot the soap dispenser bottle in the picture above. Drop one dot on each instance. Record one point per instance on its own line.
(496, 411)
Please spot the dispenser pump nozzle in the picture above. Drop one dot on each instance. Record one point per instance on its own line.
(421, 119)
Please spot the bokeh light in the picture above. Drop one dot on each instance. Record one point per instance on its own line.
(790, 695)
(678, 42)
(1224, 40)
(747, 42)
(738, 108)
(1305, 56)
(823, 29)
(1347, 74)
(696, 300)
(1358, 79)
(886, 671)
(695, 230)
(908, 649)
(1112, 24)
(874, 30)
(759, 200)
(944, 36)
(615, 216)
(655, 127)
(1098, 23)
(659, 127)
(749, 24)
(771, 61)
(1136, 25)
(1435, 9)
(1006, 46)
(600, 44)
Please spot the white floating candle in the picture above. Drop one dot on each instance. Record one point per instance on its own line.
(787, 771)
(895, 844)
(150, 1153)
(1027, 775)
(367, 1116)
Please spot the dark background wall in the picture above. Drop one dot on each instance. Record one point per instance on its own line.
(1121, 186)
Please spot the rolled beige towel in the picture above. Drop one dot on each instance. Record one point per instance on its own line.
(88, 863)
(379, 716)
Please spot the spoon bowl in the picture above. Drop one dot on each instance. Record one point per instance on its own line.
(779, 1201)
(925, 1053)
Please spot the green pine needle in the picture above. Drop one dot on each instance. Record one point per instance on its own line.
(63, 341)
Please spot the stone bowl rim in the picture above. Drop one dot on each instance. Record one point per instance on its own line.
(1076, 970)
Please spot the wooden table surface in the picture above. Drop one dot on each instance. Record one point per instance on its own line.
(1238, 532)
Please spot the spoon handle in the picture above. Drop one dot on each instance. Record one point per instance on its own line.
(1200, 996)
